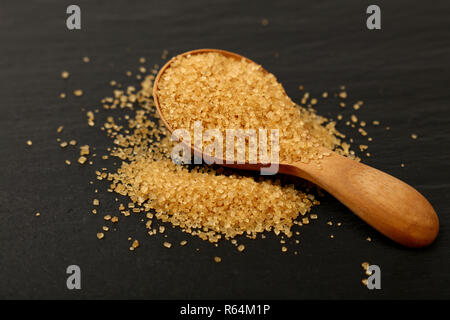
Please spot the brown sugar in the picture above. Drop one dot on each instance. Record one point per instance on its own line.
(209, 202)
(226, 93)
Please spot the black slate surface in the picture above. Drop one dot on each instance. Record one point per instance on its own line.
(401, 72)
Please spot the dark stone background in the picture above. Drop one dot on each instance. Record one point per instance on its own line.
(401, 72)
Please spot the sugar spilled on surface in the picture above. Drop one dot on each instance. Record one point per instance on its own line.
(209, 202)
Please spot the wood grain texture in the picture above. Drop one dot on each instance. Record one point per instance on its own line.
(401, 73)
(388, 204)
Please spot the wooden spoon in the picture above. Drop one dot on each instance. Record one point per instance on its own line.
(389, 205)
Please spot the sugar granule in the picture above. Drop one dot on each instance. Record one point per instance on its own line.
(343, 95)
(168, 245)
(84, 150)
(64, 74)
(82, 160)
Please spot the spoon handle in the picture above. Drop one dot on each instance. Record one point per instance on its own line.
(391, 206)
